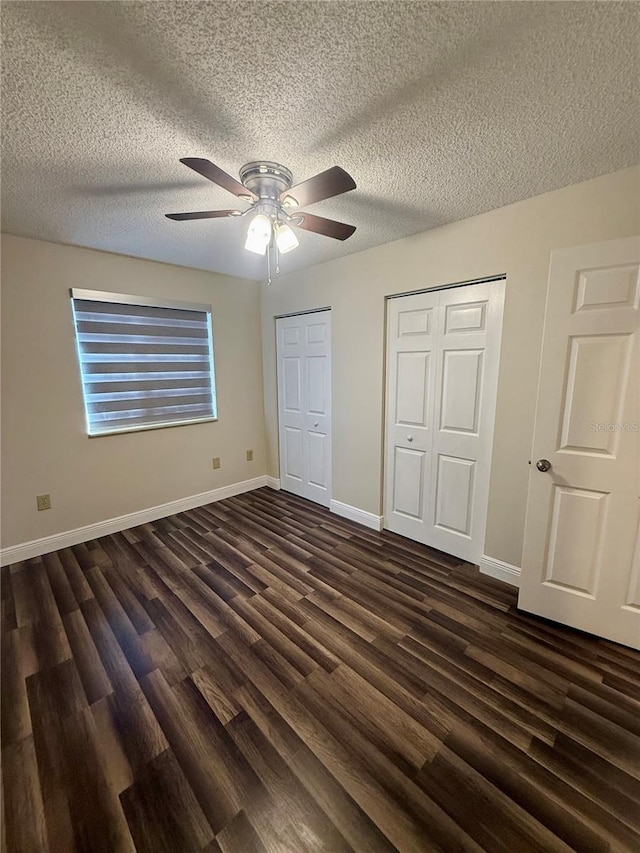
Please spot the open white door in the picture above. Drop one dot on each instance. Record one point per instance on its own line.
(581, 560)
(304, 404)
(443, 350)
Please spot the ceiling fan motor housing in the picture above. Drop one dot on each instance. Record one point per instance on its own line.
(266, 179)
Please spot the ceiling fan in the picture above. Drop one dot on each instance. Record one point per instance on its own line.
(267, 186)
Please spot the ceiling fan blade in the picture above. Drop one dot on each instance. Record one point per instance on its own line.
(328, 227)
(203, 214)
(334, 181)
(214, 173)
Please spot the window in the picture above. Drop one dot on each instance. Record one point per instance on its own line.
(145, 363)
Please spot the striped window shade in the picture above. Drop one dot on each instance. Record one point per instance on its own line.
(144, 363)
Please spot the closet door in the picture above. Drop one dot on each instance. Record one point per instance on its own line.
(304, 404)
(442, 499)
(411, 365)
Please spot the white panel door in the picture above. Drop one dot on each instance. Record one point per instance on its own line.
(410, 375)
(304, 404)
(442, 365)
(581, 559)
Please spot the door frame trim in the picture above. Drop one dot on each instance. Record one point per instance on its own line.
(302, 313)
(486, 280)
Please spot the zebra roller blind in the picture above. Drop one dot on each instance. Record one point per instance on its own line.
(144, 363)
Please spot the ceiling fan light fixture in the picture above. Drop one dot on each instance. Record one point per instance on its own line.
(269, 189)
(285, 239)
(259, 234)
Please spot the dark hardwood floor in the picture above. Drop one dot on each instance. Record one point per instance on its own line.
(261, 675)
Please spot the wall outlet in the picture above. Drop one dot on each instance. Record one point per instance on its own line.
(216, 462)
(249, 455)
(43, 502)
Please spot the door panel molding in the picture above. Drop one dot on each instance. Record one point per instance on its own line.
(408, 491)
(454, 494)
(460, 412)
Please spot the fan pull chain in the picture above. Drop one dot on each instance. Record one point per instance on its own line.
(269, 266)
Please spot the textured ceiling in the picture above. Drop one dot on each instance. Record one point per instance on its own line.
(439, 111)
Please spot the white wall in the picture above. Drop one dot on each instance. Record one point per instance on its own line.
(44, 443)
(516, 240)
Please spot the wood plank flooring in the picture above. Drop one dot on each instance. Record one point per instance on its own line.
(260, 675)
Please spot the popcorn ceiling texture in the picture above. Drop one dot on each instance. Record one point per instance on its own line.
(439, 111)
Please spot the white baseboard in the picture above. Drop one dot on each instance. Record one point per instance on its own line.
(273, 483)
(36, 547)
(368, 519)
(498, 569)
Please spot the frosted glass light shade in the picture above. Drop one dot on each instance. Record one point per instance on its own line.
(286, 239)
(258, 234)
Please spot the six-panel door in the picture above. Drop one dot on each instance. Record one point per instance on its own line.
(581, 562)
(442, 363)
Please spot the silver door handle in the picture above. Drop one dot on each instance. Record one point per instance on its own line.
(543, 465)
(409, 438)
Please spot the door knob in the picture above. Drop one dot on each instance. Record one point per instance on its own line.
(409, 438)
(543, 465)
(315, 423)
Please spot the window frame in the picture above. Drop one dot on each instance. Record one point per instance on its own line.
(131, 299)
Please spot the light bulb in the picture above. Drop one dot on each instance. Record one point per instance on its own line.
(286, 239)
(258, 234)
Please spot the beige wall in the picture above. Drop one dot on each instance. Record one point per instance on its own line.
(516, 240)
(44, 445)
